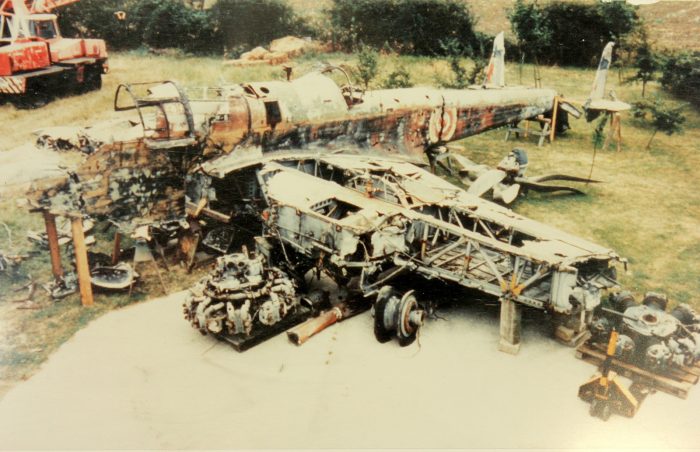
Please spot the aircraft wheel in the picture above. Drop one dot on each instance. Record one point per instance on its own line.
(381, 330)
(409, 319)
(396, 315)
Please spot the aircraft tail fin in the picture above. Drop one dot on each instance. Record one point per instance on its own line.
(598, 89)
(496, 69)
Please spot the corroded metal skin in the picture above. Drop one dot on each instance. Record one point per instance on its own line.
(313, 110)
(135, 171)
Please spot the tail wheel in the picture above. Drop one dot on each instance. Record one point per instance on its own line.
(398, 316)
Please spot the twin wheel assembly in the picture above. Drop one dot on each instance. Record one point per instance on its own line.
(397, 315)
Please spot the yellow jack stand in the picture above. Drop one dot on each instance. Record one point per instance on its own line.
(605, 393)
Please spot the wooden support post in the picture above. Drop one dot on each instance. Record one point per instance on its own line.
(618, 127)
(553, 129)
(81, 261)
(54, 249)
(116, 251)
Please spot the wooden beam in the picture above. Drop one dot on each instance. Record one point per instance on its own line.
(54, 250)
(81, 262)
(555, 110)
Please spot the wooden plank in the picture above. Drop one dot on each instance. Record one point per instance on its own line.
(81, 262)
(552, 130)
(54, 250)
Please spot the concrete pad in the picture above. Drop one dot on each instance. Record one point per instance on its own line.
(141, 377)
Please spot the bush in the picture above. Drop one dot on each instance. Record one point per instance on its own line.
(367, 64)
(681, 76)
(96, 19)
(407, 26)
(569, 33)
(228, 24)
(399, 78)
(174, 25)
(253, 22)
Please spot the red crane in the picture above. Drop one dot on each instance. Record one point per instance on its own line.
(35, 60)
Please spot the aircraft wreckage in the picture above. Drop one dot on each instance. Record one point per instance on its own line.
(312, 175)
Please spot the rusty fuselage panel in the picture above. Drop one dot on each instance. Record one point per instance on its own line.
(128, 182)
(314, 111)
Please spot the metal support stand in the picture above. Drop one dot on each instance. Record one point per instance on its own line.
(510, 326)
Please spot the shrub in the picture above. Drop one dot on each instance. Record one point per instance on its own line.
(399, 78)
(367, 64)
(681, 76)
(454, 51)
(96, 19)
(173, 24)
(229, 24)
(407, 26)
(253, 22)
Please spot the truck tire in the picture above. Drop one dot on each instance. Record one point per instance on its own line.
(92, 79)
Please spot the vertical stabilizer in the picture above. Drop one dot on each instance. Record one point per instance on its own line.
(496, 70)
(598, 89)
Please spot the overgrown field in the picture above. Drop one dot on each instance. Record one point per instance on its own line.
(647, 208)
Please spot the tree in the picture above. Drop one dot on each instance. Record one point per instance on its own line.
(646, 62)
(663, 118)
(529, 23)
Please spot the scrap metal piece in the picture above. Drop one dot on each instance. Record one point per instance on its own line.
(508, 179)
(117, 277)
(60, 288)
(304, 331)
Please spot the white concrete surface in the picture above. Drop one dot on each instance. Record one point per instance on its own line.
(141, 377)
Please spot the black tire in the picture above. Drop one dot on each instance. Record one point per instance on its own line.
(92, 79)
(406, 341)
(380, 332)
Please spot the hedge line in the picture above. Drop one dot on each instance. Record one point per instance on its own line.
(560, 32)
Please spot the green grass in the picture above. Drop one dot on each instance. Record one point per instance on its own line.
(647, 209)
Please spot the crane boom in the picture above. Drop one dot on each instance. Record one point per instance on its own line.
(25, 7)
(45, 6)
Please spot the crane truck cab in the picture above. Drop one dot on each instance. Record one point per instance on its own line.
(36, 61)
